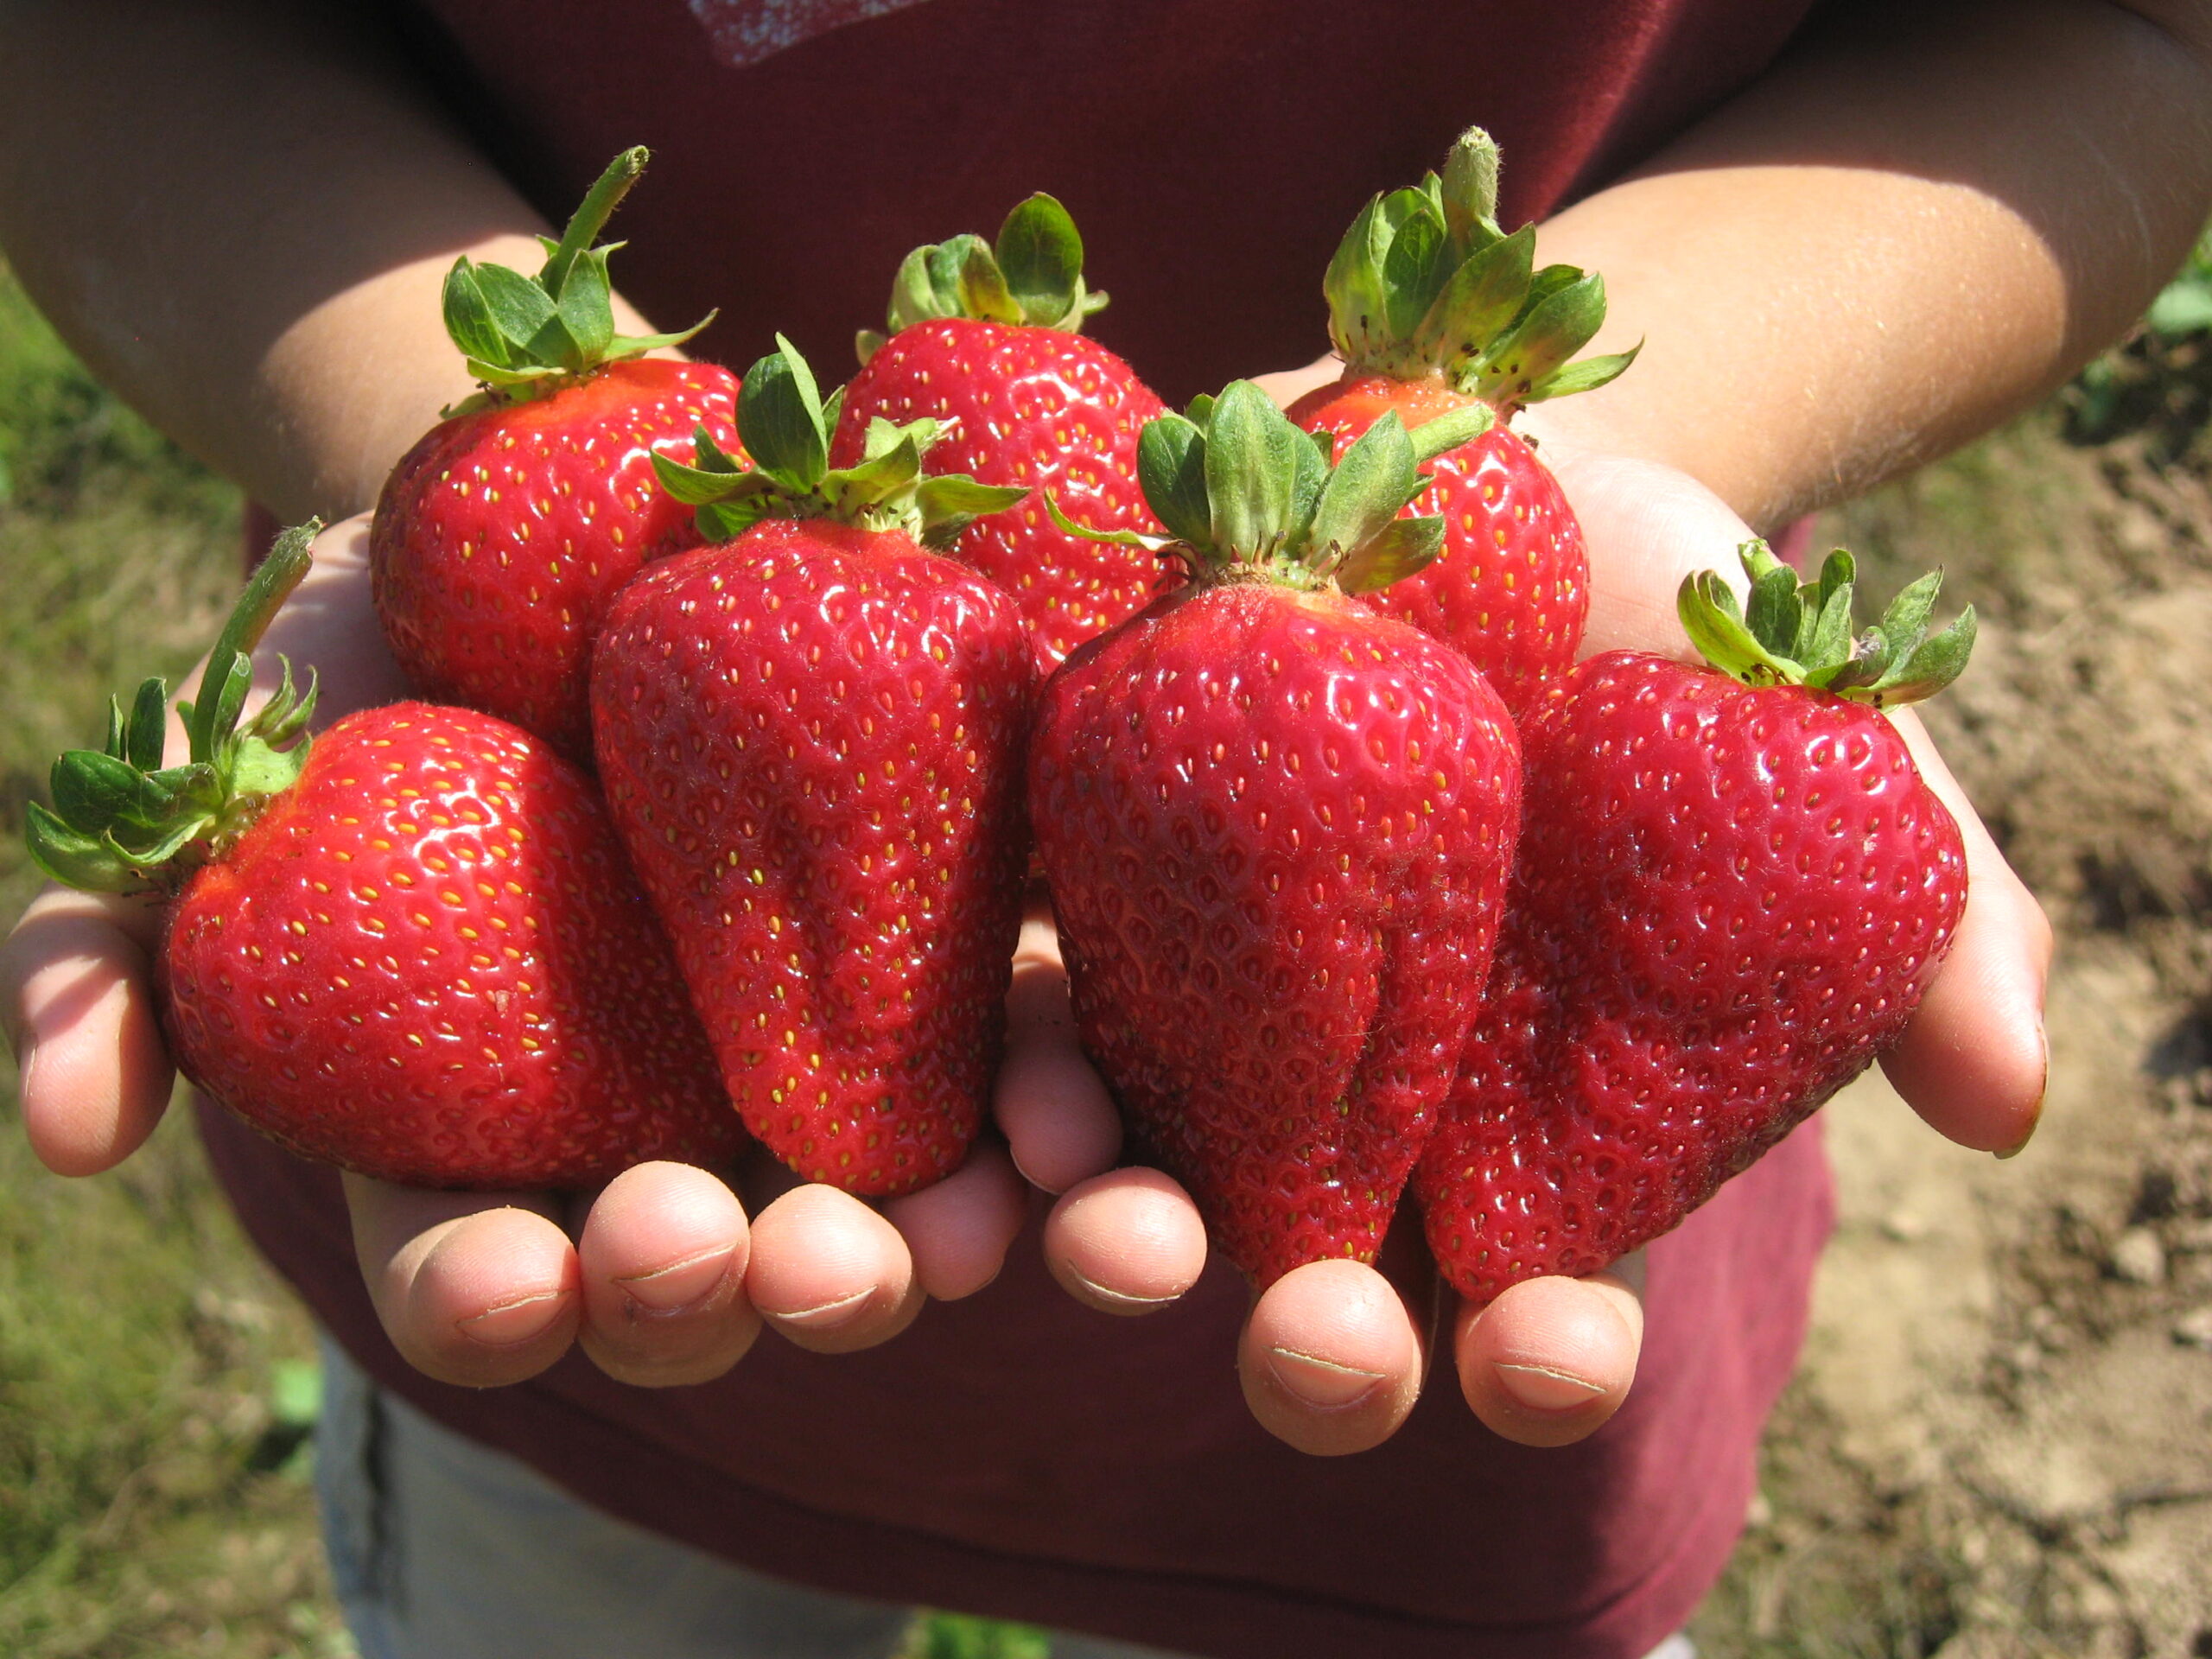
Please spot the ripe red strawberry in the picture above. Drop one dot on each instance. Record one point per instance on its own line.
(811, 736)
(1432, 305)
(1276, 827)
(1733, 889)
(414, 950)
(502, 534)
(988, 343)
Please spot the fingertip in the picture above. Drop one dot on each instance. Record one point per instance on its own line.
(1975, 1060)
(959, 1231)
(482, 1297)
(1059, 1122)
(828, 1273)
(662, 1254)
(1550, 1360)
(1331, 1358)
(1127, 1242)
(1049, 1101)
(95, 1074)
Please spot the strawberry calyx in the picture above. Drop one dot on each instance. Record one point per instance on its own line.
(1031, 278)
(122, 822)
(1246, 495)
(1796, 633)
(526, 336)
(1425, 282)
(785, 424)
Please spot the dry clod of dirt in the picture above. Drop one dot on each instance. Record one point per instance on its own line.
(2138, 1258)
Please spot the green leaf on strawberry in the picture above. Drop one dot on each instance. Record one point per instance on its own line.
(785, 424)
(1795, 633)
(121, 822)
(526, 335)
(1425, 282)
(1031, 278)
(1242, 493)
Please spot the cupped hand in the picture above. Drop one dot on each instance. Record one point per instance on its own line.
(1334, 1354)
(665, 1276)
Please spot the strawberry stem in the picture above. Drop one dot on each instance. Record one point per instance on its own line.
(591, 216)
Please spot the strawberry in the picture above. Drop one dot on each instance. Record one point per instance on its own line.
(810, 735)
(1276, 826)
(1431, 306)
(1733, 889)
(413, 950)
(501, 534)
(988, 343)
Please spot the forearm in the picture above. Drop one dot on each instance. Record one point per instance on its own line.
(1911, 230)
(240, 214)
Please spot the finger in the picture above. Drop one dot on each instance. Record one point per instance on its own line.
(1051, 1105)
(1551, 1359)
(663, 1254)
(1286, 386)
(77, 1000)
(1331, 1358)
(1647, 526)
(475, 1288)
(1129, 1241)
(959, 1231)
(1974, 1060)
(829, 1272)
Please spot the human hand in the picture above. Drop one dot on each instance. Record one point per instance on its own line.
(1332, 1355)
(660, 1276)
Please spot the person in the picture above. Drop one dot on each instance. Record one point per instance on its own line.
(1850, 238)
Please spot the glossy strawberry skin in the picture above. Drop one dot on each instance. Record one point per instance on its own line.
(1511, 588)
(811, 738)
(1728, 901)
(428, 962)
(1031, 408)
(1276, 829)
(500, 538)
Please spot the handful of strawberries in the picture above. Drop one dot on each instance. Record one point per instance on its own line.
(751, 706)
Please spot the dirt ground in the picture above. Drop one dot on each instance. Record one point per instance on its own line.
(2000, 1443)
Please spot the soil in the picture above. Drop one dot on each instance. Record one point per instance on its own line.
(2000, 1444)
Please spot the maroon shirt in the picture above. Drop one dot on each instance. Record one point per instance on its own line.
(1015, 1454)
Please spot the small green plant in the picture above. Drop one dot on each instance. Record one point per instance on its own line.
(962, 1636)
(2159, 380)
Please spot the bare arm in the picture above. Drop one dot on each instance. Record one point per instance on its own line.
(1915, 228)
(239, 213)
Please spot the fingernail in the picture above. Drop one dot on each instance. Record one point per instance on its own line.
(828, 1314)
(1542, 1389)
(521, 1320)
(1321, 1383)
(677, 1286)
(2035, 1121)
(1117, 1298)
(1054, 1191)
(26, 1060)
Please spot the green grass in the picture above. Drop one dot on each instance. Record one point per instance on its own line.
(149, 1503)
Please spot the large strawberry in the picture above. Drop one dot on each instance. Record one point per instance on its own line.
(987, 342)
(811, 734)
(502, 534)
(1732, 890)
(415, 949)
(1276, 826)
(1433, 307)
